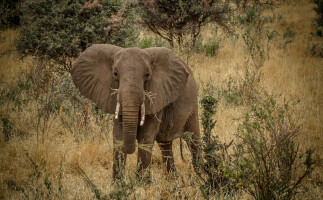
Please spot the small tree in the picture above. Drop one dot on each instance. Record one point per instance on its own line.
(210, 167)
(267, 161)
(173, 20)
(59, 30)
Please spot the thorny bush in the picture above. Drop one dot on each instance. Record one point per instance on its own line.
(267, 162)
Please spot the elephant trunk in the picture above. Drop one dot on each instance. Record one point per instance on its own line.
(130, 100)
(130, 115)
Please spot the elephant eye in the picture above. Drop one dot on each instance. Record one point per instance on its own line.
(147, 75)
(115, 73)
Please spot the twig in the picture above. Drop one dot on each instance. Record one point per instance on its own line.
(88, 181)
(150, 96)
(7, 52)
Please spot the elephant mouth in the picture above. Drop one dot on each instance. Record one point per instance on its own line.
(142, 112)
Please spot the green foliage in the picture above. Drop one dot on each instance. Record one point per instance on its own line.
(59, 30)
(10, 12)
(231, 92)
(319, 16)
(209, 105)
(266, 159)
(14, 96)
(209, 169)
(317, 49)
(122, 189)
(257, 39)
(289, 34)
(211, 47)
(249, 16)
(150, 42)
(7, 127)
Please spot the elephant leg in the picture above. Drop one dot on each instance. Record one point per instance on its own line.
(168, 158)
(192, 126)
(119, 157)
(146, 138)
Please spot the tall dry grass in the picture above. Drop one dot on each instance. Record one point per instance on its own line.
(9, 61)
(49, 169)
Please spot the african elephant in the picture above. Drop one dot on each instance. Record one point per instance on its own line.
(152, 93)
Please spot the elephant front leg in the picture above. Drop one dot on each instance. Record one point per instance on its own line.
(119, 157)
(146, 138)
(168, 158)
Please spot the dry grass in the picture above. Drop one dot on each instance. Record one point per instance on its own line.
(290, 71)
(9, 64)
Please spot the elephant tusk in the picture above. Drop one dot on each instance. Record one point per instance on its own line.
(142, 114)
(116, 114)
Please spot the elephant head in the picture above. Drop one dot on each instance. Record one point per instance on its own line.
(118, 79)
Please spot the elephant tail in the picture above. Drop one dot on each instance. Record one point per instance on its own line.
(181, 148)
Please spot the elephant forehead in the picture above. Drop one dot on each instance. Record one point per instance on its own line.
(133, 54)
(131, 59)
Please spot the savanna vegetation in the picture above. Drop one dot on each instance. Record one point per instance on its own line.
(258, 65)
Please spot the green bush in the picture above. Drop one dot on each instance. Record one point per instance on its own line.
(231, 93)
(266, 160)
(211, 47)
(289, 34)
(317, 49)
(209, 169)
(59, 30)
(150, 42)
(10, 13)
(250, 15)
(319, 16)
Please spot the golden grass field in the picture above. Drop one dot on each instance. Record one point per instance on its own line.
(291, 72)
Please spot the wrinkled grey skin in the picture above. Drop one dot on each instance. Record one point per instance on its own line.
(156, 99)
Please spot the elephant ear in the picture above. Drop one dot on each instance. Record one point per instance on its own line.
(169, 78)
(92, 75)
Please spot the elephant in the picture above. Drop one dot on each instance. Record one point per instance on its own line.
(152, 94)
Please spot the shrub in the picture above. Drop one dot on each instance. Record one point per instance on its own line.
(257, 38)
(319, 16)
(59, 30)
(231, 92)
(266, 160)
(209, 168)
(211, 47)
(10, 13)
(14, 96)
(289, 34)
(317, 49)
(150, 42)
